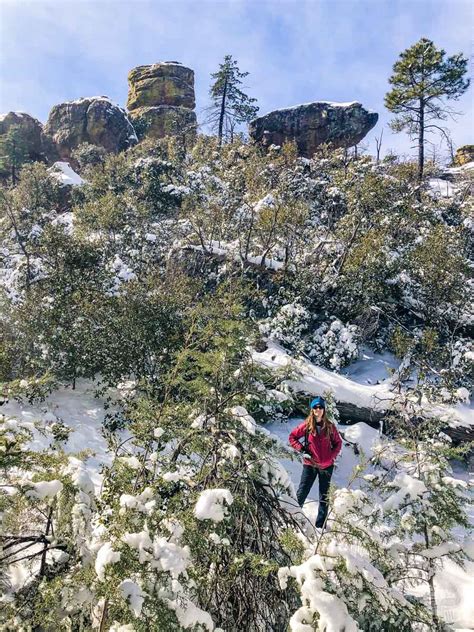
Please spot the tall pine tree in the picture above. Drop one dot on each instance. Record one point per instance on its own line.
(422, 80)
(13, 153)
(230, 106)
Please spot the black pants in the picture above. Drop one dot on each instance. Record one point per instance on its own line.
(307, 479)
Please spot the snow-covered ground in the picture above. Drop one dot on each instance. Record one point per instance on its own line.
(78, 409)
(371, 367)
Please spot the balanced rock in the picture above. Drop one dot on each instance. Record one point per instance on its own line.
(464, 155)
(164, 83)
(94, 120)
(161, 99)
(36, 143)
(312, 124)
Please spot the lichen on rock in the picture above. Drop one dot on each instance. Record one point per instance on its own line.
(312, 124)
(94, 120)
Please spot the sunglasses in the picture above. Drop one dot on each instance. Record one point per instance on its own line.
(318, 407)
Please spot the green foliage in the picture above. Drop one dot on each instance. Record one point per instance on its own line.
(87, 154)
(230, 105)
(421, 79)
(14, 152)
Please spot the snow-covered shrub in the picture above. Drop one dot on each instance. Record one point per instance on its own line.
(346, 577)
(270, 398)
(287, 326)
(334, 345)
(269, 403)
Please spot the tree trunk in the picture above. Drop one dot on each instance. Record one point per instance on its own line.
(433, 604)
(14, 163)
(222, 113)
(49, 523)
(421, 141)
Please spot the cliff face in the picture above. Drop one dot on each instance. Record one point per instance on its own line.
(161, 99)
(312, 124)
(38, 145)
(94, 120)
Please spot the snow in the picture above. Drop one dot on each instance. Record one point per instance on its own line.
(117, 627)
(468, 166)
(84, 414)
(188, 614)
(170, 557)
(441, 188)
(132, 592)
(210, 505)
(266, 202)
(315, 380)
(81, 411)
(407, 486)
(139, 541)
(65, 174)
(454, 587)
(332, 611)
(371, 367)
(131, 461)
(247, 421)
(65, 221)
(122, 270)
(45, 489)
(334, 104)
(105, 556)
(227, 251)
(365, 437)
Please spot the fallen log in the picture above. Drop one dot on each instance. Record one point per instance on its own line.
(351, 414)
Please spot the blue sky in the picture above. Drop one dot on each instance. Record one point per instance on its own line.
(296, 51)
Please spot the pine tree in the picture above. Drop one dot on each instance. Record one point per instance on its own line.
(13, 152)
(230, 106)
(422, 80)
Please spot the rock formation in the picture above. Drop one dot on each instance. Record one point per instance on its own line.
(312, 124)
(161, 99)
(94, 120)
(37, 144)
(464, 155)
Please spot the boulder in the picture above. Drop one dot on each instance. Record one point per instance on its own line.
(464, 155)
(163, 83)
(94, 120)
(37, 144)
(165, 120)
(312, 124)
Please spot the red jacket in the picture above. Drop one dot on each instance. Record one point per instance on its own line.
(324, 449)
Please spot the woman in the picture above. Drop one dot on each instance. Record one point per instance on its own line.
(321, 443)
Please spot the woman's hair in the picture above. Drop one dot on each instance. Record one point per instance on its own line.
(326, 425)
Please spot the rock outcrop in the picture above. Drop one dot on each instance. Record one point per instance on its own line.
(464, 155)
(94, 120)
(37, 144)
(164, 83)
(312, 124)
(161, 99)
